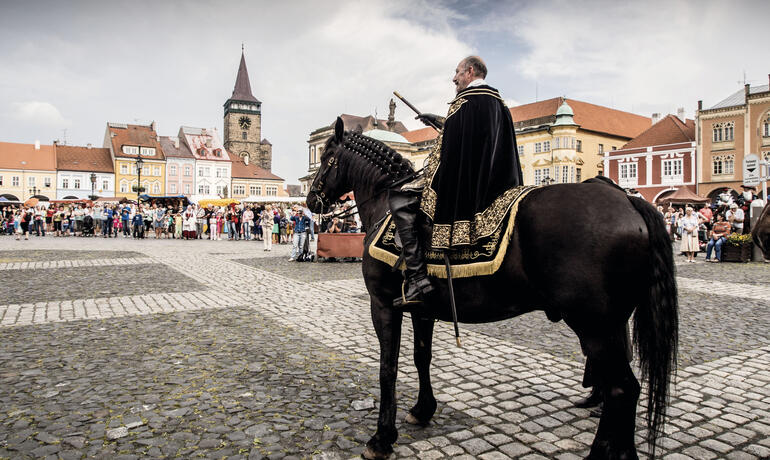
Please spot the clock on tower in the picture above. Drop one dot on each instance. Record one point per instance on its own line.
(244, 122)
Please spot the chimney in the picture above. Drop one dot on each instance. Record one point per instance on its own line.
(88, 146)
(176, 142)
(747, 90)
(700, 105)
(655, 117)
(154, 126)
(37, 145)
(680, 113)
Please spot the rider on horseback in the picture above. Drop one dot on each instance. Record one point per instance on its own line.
(472, 164)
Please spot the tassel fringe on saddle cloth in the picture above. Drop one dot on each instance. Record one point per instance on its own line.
(481, 258)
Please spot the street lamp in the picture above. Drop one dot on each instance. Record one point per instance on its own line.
(139, 165)
(547, 180)
(93, 186)
(33, 191)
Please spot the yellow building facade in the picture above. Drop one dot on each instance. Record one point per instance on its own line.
(128, 143)
(26, 171)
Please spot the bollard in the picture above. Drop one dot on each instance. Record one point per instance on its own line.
(754, 211)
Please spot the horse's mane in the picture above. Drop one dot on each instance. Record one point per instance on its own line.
(377, 155)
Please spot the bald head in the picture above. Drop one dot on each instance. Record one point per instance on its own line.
(469, 69)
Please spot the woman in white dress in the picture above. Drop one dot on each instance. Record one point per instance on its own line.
(690, 234)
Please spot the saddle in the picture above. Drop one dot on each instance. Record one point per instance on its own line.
(481, 258)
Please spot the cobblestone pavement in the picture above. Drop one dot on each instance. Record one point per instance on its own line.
(223, 350)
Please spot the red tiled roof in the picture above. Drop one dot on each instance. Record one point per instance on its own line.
(420, 135)
(669, 130)
(138, 135)
(24, 156)
(241, 170)
(589, 116)
(71, 158)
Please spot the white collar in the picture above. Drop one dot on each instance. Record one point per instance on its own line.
(477, 82)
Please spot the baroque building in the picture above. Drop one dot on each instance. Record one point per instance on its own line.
(243, 123)
(737, 126)
(127, 143)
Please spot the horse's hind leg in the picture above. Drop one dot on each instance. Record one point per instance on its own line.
(425, 407)
(615, 436)
(387, 323)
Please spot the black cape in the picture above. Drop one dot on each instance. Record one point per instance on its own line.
(471, 170)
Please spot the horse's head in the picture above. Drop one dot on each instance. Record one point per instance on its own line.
(761, 232)
(351, 161)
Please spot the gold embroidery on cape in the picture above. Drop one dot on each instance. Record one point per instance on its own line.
(455, 106)
(483, 258)
(428, 200)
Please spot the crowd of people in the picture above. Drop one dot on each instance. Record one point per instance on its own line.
(707, 228)
(269, 223)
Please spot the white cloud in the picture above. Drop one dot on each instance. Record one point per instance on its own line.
(40, 113)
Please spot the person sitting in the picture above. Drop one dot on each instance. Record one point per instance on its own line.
(335, 226)
(718, 238)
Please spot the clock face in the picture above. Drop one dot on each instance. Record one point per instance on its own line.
(244, 122)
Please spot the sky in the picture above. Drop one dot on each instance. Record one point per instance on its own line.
(67, 68)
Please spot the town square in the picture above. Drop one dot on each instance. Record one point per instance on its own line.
(428, 230)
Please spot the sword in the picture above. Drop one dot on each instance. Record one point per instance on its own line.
(452, 297)
(409, 104)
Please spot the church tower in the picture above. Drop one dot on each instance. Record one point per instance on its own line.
(243, 123)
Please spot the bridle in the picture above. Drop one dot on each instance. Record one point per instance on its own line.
(318, 183)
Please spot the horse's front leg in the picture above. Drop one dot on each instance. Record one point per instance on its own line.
(423, 411)
(387, 323)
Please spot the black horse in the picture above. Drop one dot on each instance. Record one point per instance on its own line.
(761, 232)
(592, 266)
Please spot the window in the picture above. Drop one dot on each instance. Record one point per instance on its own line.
(155, 187)
(1, 181)
(219, 189)
(556, 142)
(538, 176)
(47, 181)
(723, 131)
(627, 174)
(172, 170)
(124, 168)
(31, 181)
(243, 135)
(538, 147)
(145, 170)
(520, 149)
(204, 189)
(579, 147)
(723, 164)
(578, 174)
(15, 181)
(614, 148)
(565, 173)
(271, 190)
(148, 151)
(187, 171)
(219, 173)
(156, 170)
(672, 171)
(76, 183)
(239, 190)
(123, 187)
(601, 148)
(766, 127)
(547, 146)
(172, 188)
(65, 183)
(255, 190)
(130, 150)
(105, 185)
(186, 189)
(200, 172)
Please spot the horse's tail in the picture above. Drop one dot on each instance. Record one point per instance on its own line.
(656, 322)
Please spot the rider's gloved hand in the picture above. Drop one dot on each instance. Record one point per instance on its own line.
(430, 119)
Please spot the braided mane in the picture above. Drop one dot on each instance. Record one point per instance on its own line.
(389, 162)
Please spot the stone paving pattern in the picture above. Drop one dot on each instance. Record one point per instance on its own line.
(258, 358)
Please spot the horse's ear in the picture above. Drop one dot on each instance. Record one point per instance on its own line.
(339, 129)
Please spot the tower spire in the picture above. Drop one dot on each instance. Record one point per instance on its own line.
(242, 90)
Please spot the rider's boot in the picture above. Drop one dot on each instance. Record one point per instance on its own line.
(417, 286)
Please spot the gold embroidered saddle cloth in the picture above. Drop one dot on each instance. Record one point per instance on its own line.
(483, 257)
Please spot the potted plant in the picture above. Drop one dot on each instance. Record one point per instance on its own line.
(737, 248)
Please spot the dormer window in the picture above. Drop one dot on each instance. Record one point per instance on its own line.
(148, 151)
(130, 150)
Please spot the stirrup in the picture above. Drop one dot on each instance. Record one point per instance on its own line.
(403, 297)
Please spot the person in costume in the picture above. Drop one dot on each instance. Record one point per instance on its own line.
(464, 188)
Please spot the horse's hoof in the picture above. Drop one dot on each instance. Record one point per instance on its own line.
(412, 420)
(369, 454)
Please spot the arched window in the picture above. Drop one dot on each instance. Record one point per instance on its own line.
(724, 131)
(723, 164)
(766, 126)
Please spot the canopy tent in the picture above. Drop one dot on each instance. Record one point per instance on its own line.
(217, 202)
(6, 202)
(84, 201)
(112, 199)
(683, 195)
(165, 199)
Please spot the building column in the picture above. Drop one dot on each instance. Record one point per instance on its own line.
(648, 166)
